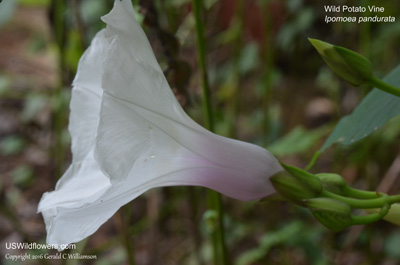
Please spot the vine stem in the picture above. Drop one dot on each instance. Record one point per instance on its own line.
(370, 218)
(376, 82)
(126, 215)
(313, 160)
(361, 194)
(268, 61)
(363, 203)
(58, 149)
(214, 198)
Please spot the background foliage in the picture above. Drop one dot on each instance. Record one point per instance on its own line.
(269, 87)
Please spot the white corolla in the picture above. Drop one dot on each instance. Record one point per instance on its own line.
(129, 134)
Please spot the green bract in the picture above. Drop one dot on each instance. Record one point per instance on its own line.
(349, 65)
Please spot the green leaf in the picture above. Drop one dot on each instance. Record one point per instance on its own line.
(11, 145)
(273, 238)
(391, 247)
(249, 58)
(297, 141)
(373, 112)
(23, 176)
(5, 84)
(34, 104)
(7, 9)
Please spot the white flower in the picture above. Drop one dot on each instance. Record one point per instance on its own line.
(129, 134)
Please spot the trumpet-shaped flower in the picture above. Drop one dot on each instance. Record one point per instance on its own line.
(129, 134)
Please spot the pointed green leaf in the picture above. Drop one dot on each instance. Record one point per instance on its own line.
(297, 141)
(373, 112)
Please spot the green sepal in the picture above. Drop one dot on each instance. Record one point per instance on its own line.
(349, 65)
(333, 214)
(308, 180)
(359, 64)
(291, 188)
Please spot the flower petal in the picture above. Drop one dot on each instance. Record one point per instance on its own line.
(144, 138)
(75, 185)
(139, 109)
(79, 187)
(83, 182)
(86, 98)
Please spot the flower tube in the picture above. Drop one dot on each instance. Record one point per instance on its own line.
(129, 134)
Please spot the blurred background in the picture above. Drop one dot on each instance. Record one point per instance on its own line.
(269, 87)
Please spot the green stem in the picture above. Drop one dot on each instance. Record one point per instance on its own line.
(126, 217)
(238, 22)
(361, 194)
(313, 160)
(393, 199)
(363, 204)
(193, 196)
(365, 32)
(58, 149)
(376, 82)
(366, 219)
(218, 233)
(370, 218)
(214, 198)
(79, 23)
(268, 65)
(201, 55)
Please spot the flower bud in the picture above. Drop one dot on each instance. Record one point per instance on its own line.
(349, 65)
(332, 182)
(333, 214)
(292, 188)
(308, 180)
